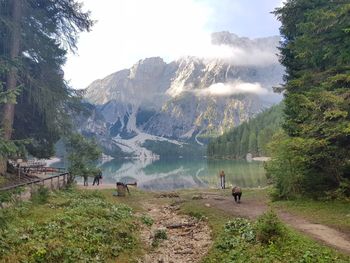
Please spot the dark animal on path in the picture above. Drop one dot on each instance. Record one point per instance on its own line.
(237, 193)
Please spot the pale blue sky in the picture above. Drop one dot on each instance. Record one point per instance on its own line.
(249, 18)
(130, 30)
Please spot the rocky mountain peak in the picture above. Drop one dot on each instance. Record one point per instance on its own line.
(179, 100)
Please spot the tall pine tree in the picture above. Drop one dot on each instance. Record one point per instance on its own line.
(316, 54)
(35, 38)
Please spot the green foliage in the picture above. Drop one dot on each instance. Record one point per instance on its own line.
(83, 154)
(197, 214)
(148, 221)
(237, 231)
(250, 137)
(10, 196)
(10, 148)
(315, 52)
(47, 30)
(72, 227)
(285, 169)
(3, 220)
(158, 236)
(41, 195)
(237, 243)
(8, 96)
(269, 228)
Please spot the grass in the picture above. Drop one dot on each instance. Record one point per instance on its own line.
(2, 180)
(227, 248)
(95, 226)
(73, 226)
(335, 214)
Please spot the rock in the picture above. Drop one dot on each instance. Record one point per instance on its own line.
(207, 205)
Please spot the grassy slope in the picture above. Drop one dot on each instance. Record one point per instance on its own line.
(71, 227)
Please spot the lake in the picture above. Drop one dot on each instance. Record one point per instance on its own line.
(180, 173)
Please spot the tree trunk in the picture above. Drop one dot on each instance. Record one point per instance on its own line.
(11, 80)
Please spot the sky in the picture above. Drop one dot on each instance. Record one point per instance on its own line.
(129, 30)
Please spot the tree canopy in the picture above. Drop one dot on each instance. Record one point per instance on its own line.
(35, 36)
(316, 53)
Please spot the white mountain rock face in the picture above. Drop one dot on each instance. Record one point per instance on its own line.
(186, 99)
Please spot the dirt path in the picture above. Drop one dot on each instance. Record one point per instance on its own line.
(253, 207)
(188, 239)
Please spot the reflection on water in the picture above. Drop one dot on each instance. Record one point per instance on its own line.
(181, 173)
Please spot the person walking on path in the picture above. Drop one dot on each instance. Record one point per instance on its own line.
(97, 178)
(237, 193)
(222, 179)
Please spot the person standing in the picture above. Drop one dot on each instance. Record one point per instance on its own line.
(85, 176)
(97, 178)
(222, 179)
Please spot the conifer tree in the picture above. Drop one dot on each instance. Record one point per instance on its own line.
(35, 38)
(316, 54)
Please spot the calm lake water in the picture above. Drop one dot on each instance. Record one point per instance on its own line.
(181, 173)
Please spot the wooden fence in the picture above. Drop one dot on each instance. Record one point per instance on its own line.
(55, 181)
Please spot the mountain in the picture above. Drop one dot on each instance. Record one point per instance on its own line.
(184, 101)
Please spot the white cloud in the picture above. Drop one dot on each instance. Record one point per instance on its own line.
(129, 30)
(227, 89)
(244, 56)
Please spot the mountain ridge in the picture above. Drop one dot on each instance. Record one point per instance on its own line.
(185, 99)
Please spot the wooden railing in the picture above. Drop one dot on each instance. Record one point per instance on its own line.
(60, 180)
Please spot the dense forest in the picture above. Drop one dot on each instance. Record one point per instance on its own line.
(249, 137)
(311, 156)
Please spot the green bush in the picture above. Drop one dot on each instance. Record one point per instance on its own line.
(159, 234)
(148, 221)
(269, 228)
(236, 232)
(41, 195)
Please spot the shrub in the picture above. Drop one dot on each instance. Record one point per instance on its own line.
(41, 195)
(159, 234)
(236, 232)
(269, 228)
(148, 221)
